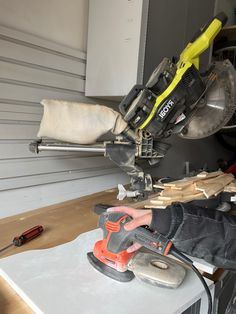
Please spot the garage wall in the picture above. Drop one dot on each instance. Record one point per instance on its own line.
(60, 21)
(31, 69)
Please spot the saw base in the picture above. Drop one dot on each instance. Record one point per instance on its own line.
(108, 271)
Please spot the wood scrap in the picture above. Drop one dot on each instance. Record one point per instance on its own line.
(183, 199)
(206, 175)
(202, 186)
(169, 192)
(216, 179)
(181, 184)
(231, 187)
(214, 186)
(159, 186)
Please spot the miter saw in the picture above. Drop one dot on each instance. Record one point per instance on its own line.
(177, 99)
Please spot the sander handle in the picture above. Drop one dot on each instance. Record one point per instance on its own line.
(119, 239)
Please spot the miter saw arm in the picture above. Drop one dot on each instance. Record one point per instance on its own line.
(124, 152)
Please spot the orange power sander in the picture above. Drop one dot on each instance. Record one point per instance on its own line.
(111, 258)
(110, 254)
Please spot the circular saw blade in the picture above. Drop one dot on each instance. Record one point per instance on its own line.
(219, 107)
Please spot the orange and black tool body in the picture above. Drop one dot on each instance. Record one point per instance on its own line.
(110, 254)
(108, 250)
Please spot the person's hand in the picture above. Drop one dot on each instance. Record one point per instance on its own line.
(141, 217)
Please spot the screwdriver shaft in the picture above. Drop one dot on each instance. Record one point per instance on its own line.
(6, 247)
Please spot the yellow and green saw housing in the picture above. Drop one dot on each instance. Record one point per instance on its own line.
(173, 91)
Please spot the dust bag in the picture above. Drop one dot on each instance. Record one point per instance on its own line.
(78, 122)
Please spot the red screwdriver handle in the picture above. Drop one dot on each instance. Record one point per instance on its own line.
(28, 235)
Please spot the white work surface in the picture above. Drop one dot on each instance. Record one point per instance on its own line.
(61, 280)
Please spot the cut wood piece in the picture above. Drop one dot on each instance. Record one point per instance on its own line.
(224, 179)
(152, 206)
(215, 179)
(183, 198)
(162, 201)
(156, 201)
(169, 192)
(211, 189)
(204, 185)
(158, 186)
(230, 187)
(214, 186)
(180, 198)
(180, 184)
(205, 174)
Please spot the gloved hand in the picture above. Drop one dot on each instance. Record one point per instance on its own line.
(141, 217)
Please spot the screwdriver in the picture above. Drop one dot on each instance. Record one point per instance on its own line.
(26, 236)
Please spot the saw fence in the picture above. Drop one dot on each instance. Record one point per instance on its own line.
(202, 186)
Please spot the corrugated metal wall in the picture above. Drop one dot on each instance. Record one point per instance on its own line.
(32, 69)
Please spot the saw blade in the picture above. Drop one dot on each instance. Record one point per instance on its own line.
(219, 104)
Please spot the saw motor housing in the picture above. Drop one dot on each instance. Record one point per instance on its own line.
(164, 104)
(173, 91)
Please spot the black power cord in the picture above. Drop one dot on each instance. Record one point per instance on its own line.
(189, 262)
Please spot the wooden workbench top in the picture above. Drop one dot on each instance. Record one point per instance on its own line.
(62, 223)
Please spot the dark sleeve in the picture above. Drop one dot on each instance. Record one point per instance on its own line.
(200, 232)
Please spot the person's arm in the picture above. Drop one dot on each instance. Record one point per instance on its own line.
(197, 231)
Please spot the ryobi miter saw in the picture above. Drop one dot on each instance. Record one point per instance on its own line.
(177, 99)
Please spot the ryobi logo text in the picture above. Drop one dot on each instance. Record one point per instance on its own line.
(165, 110)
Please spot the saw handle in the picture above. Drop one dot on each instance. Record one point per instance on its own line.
(201, 41)
(222, 17)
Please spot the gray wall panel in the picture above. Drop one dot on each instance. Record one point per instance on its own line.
(29, 167)
(31, 74)
(41, 179)
(24, 53)
(17, 131)
(17, 107)
(16, 90)
(25, 39)
(19, 200)
(32, 69)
